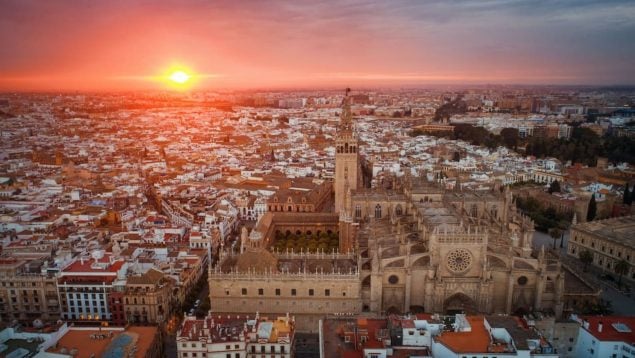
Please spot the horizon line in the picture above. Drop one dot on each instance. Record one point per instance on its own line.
(309, 88)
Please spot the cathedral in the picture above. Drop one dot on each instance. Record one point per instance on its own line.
(424, 248)
(417, 247)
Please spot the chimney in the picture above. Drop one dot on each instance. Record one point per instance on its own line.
(600, 327)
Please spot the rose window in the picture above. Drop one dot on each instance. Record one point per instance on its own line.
(459, 260)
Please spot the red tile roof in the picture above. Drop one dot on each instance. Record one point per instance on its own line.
(476, 341)
(609, 332)
(87, 266)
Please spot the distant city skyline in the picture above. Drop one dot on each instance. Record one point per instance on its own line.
(126, 45)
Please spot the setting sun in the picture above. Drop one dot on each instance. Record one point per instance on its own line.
(179, 77)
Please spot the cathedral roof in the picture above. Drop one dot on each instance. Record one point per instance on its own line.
(259, 260)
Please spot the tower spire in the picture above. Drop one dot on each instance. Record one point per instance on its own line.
(346, 156)
(346, 119)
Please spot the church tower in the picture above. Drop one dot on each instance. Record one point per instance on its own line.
(346, 156)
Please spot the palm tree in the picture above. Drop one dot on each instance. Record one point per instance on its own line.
(555, 234)
(586, 257)
(621, 268)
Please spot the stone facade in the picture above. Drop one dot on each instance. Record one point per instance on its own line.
(148, 298)
(26, 293)
(309, 292)
(346, 157)
(424, 248)
(610, 241)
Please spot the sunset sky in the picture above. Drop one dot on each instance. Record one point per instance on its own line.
(119, 45)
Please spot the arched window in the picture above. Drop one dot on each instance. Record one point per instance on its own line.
(494, 211)
(474, 211)
(398, 210)
(358, 211)
(378, 211)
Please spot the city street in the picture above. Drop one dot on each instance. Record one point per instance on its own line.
(621, 304)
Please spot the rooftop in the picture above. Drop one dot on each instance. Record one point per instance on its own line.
(614, 328)
(619, 230)
(477, 340)
(106, 343)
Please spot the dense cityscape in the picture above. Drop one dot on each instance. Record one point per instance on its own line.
(317, 179)
(298, 223)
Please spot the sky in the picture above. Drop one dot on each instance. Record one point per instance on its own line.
(129, 44)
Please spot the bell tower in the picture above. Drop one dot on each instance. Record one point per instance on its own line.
(346, 156)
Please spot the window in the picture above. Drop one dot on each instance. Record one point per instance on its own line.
(262, 349)
(343, 294)
(293, 292)
(228, 347)
(261, 291)
(277, 292)
(311, 292)
(358, 211)
(378, 211)
(244, 292)
(327, 292)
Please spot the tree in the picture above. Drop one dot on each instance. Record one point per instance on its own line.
(554, 187)
(510, 137)
(620, 269)
(586, 257)
(627, 200)
(555, 234)
(592, 211)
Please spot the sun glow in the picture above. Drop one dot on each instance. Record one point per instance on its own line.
(179, 77)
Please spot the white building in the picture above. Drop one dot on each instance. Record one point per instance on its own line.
(225, 336)
(606, 337)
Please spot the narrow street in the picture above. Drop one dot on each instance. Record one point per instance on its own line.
(174, 322)
(621, 303)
